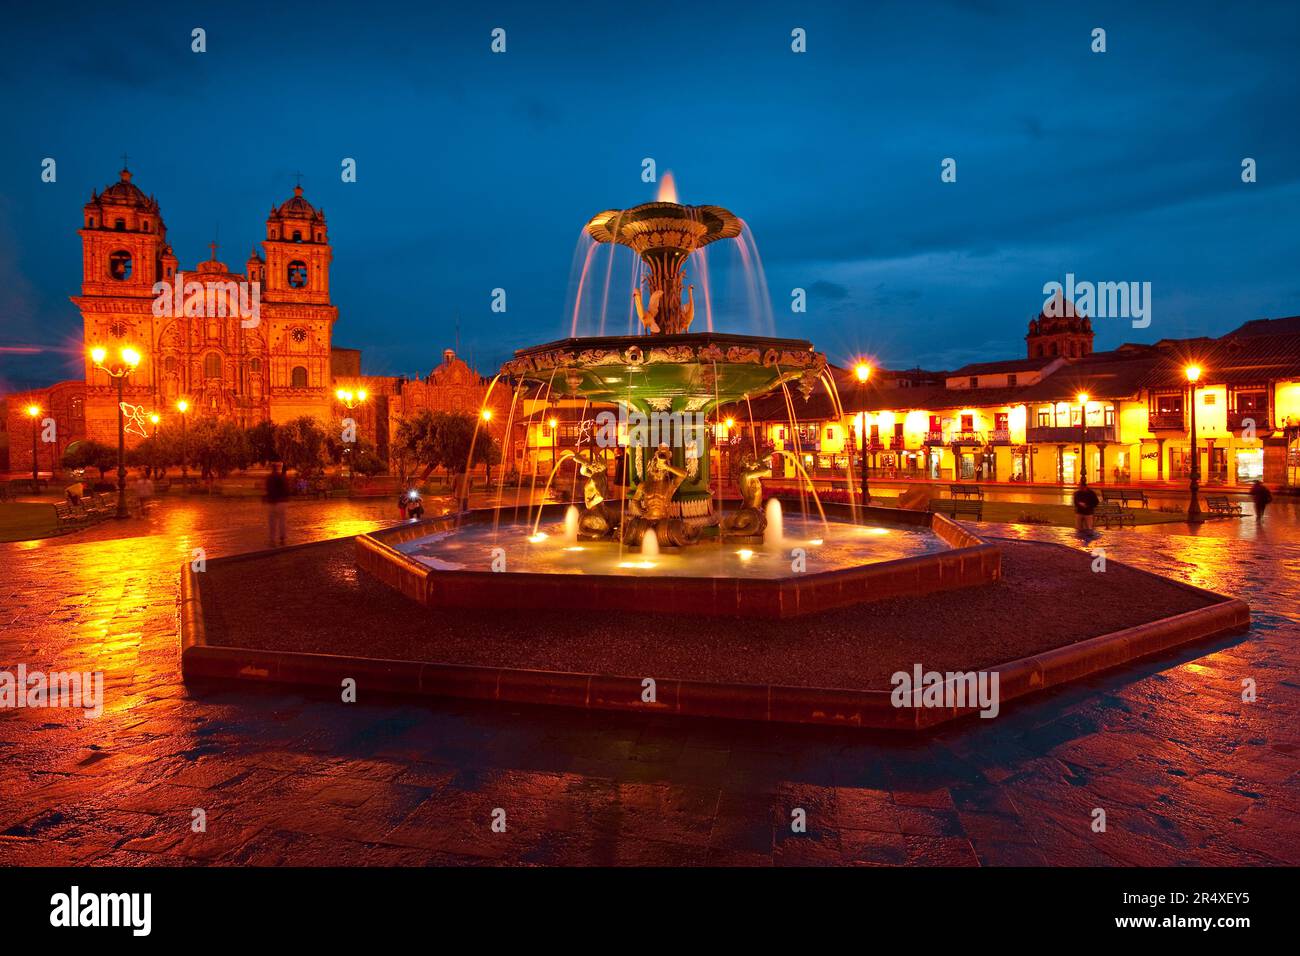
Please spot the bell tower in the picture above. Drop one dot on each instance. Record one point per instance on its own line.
(1059, 331)
(297, 253)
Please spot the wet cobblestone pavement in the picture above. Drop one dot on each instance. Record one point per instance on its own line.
(1186, 771)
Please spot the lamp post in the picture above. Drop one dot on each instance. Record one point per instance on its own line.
(127, 360)
(351, 400)
(862, 371)
(486, 416)
(1193, 373)
(34, 412)
(155, 418)
(1083, 437)
(183, 406)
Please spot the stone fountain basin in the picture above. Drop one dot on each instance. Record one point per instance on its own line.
(424, 561)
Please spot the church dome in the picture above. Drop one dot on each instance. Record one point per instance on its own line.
(126, 193)
(297, 208)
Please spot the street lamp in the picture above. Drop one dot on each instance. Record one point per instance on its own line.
(34, 412)
(183, 406)
(1083, 437)
(862, 371)
(155, 418)
(351, 400)
(1193, 373)
(127, 361)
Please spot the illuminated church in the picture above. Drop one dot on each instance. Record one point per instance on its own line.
(245, 347)
(264, 352)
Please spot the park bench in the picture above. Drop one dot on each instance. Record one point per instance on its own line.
(973, 508)
(966, 492)
(1221, 507)
(67, 517)
(1124, 496)
(91, 510)
(1107, 515)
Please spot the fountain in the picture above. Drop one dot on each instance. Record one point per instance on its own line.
(664, 385)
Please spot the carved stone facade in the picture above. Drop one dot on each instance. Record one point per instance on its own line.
(250, 346)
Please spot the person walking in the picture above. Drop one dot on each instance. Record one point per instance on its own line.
(1085, 503)
(277, 505)
(1260, 494)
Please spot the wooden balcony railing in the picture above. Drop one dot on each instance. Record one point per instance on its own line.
(1069, 433)
(1261, 418)
(1166, 421)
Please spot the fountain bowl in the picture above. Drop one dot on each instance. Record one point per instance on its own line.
(409, 559)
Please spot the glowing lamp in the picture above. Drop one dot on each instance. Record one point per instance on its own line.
(863, 371)
(731, 423)
(130, 356)
(553, 424)
(1083, 398)
(361, 395)
(1193, 373)
(155, 418)
(487, 414)
(33, 410)
(98, 355)
(182, 406)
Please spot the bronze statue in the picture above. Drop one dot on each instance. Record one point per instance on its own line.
(650, 505)
(598, 518)
(748, 520)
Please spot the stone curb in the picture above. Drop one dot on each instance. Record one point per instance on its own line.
(762, 702)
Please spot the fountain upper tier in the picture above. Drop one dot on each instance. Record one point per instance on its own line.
(664, 234)
(670, 372)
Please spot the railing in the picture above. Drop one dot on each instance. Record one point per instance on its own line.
(934, 438)
(1165, 421)
(1237, 420)
(1069, 433)
(966, 438)
(1000, 436)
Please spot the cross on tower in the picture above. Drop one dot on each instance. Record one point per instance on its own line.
(124, 163)
(297, 179)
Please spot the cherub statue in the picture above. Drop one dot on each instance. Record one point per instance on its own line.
(749, 520)
(651, 503)
(598, 517)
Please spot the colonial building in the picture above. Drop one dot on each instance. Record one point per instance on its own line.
(245, 346)
(1123, 415)
(248, 346)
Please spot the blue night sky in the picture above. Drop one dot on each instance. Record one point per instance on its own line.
(477, 171)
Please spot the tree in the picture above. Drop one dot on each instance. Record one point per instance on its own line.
(157, 452)
(91, 454)
(364, 461)
(300, 444)
(218, 447)
(261, 443)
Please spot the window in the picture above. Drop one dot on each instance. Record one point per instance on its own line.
(297, 235)
(1252, 401)
(145, 225)
(299, 377)
(119, 265)
(212, 365)
(91, 224)
(169, 363)
(1045, 417)
(968, 423)
(255, 365)
(297, 274)
(120, 225)
(898, 434)
(1169, 404)
(1011, 381)
(974, 381)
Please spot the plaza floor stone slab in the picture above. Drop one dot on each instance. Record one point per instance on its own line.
(1187, 771)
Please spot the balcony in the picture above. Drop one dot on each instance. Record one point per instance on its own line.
(1261, 418)
(934, 438)
(1166, 421)
(1000, 436)
(1069, 433)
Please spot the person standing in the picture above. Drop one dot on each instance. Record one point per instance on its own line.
(277, 505)
(1085, 503)
(1260, 494)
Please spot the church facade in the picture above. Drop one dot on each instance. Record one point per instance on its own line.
(247, 346)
